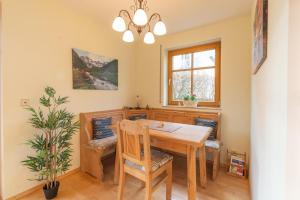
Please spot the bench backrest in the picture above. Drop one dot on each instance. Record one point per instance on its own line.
(86, 129)
(169, 115)
(135, 112)
(186, 117)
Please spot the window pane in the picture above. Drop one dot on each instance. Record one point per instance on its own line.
(205, 58)
(182, 61)
(181, 84)
(204, 84)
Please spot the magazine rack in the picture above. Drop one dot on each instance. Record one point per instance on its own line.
(241, 163)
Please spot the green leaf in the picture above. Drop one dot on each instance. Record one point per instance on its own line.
(45, 101)
(61, 100)
(50, 91)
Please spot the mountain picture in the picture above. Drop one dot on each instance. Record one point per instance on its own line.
(94, 72)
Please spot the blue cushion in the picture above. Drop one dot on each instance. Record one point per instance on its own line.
(136, 117)
(101, 129)
(208, 123)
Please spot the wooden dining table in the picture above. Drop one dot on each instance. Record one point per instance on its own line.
(187, 140)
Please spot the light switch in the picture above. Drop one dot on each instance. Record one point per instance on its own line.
(24, 102)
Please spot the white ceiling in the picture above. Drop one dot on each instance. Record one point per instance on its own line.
(178, 15)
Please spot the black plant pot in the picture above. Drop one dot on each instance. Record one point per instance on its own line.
(51, 193)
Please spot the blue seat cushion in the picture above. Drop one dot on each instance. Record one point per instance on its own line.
(137, 117)
(208, 123)
(101, 128)
(158, 159)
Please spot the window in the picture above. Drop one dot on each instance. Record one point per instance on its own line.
(195, 70)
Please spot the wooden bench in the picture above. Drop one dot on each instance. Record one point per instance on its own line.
(91, 151)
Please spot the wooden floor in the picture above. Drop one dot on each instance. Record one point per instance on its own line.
(81, 186)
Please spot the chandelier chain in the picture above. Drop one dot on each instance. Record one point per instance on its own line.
(145, 6)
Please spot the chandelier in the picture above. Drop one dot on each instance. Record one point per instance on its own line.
(140, 22)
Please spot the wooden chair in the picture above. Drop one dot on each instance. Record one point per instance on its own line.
(138, 160)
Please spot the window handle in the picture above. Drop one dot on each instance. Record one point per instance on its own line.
(169, 81)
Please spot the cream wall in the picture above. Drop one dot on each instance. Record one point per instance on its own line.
(293, 137)
(235, 35)
(1, 127)
(37, 41)
(269, 111)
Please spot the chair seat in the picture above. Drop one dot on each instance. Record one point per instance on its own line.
(215, 144)
(158, 159)
(103, 143)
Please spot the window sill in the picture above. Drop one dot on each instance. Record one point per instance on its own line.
(191, 108)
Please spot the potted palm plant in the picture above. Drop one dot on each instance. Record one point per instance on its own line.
(52, 141)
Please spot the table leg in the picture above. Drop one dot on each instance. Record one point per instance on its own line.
(117, 167)
(191, 168)
(202, 163)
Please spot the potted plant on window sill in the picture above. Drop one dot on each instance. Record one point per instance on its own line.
(190, 101)
(51, 143)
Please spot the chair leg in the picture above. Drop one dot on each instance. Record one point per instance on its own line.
(148, 195)
(169, 182)
(117, 168)
(121, 184)
(216, 163)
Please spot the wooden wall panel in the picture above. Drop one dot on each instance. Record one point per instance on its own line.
(132, 112)
(160, 115)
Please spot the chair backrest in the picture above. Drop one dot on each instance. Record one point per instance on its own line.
(133, 139)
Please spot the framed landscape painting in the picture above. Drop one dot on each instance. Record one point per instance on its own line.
(94, 72)
(260, 33)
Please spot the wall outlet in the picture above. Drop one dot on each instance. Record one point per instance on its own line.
(24, 102)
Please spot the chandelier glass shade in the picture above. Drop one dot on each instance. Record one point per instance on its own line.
(140, 22)
(149, 38)
(140, 17)
(128, 36)
(119, 24)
